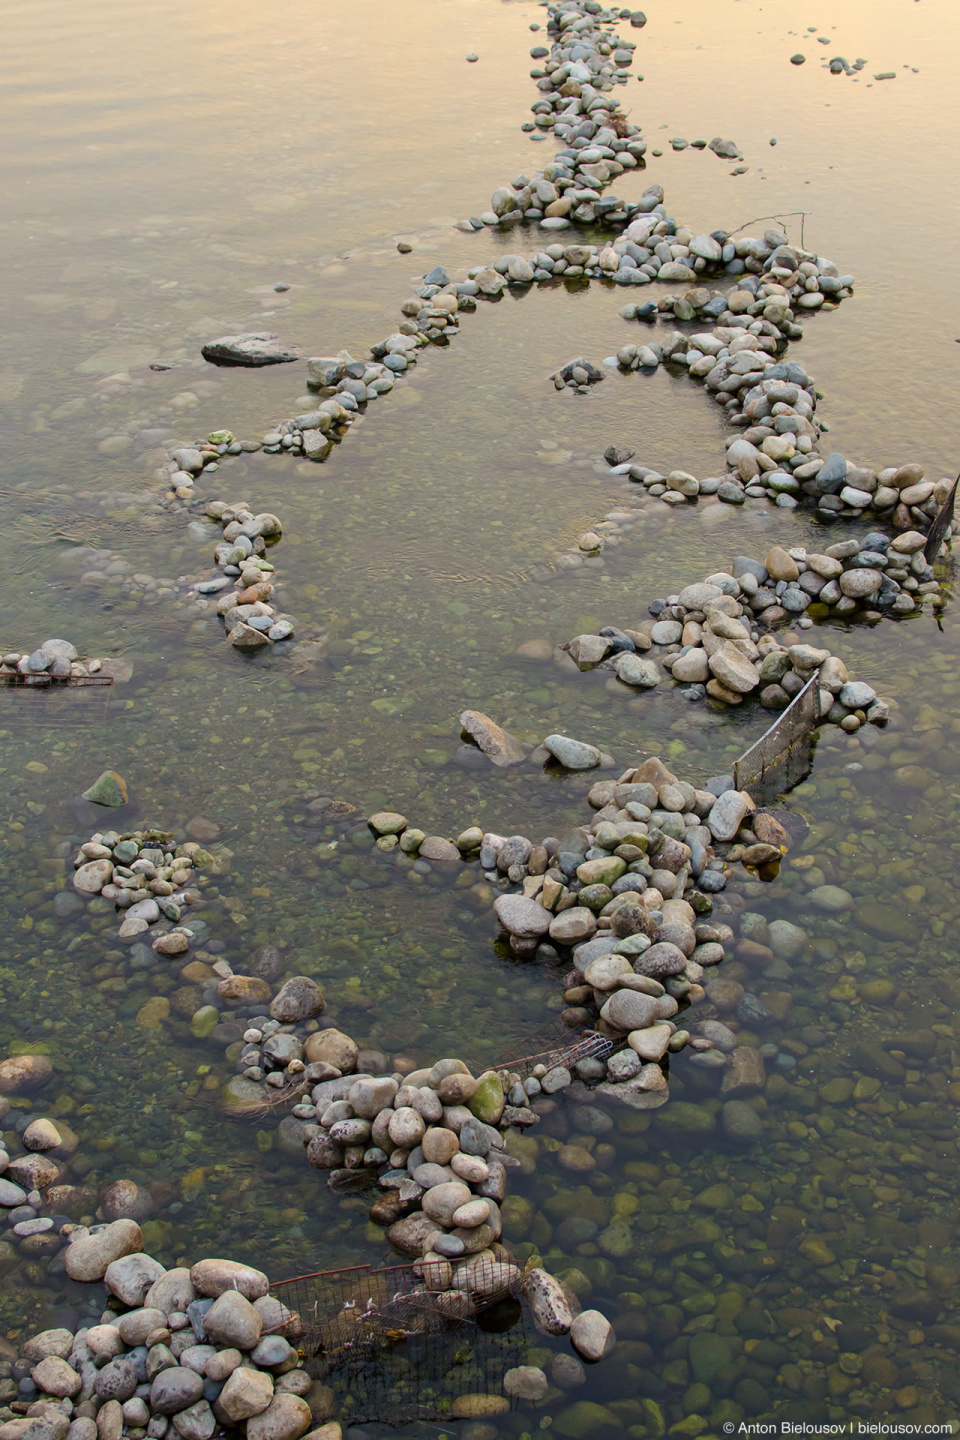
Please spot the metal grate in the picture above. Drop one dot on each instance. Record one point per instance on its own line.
(784, 754)
(551, 1045)
(404, 1343)
(18, 680)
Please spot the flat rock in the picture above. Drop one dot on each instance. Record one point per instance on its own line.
(572, 754)
(22, 1073)
(259, 347)
(591, 1333)
(501, 747)
(521, 916)
(214, 1277)
(726, 814)
(90, 1257)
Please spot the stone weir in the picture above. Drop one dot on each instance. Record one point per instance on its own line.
(714, 637)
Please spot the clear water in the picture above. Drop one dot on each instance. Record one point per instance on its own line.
(165, 168)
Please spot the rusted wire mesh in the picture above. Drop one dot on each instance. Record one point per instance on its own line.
(80, 700)
(553, 1044)
(784, 753)
(18, 680)
(403, 1343)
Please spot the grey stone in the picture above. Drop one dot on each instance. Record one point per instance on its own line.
(254, 348)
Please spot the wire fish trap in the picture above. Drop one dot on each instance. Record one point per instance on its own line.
(73, 700)
(404, 1343)
(551, 1045)
(783, 755)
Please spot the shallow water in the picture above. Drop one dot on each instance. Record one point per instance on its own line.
(167, 170)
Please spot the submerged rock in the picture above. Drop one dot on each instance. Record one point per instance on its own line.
(501, 747)
(108, 789)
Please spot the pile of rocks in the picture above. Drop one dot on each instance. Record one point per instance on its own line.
(433, 1138)
(628, 898)
(251, 621)
(709, 638)
(192, 1352)
(148, 876)
(35, 1191)
(178, 1353)
(55, 660)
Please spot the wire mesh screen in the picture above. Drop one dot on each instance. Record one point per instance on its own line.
(20, 681)
(553, 1044)
(784, 754)
(80, 700)
(405, 1343)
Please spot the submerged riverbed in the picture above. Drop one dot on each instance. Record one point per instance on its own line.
(167, 174)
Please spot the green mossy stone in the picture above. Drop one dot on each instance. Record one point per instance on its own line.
(710, 1357)
(890, 922)
(205, 1020)
(595, 897)
(587, 1419)
(683, 1115)
(487, 1103)
(601, 872)
(108, 789)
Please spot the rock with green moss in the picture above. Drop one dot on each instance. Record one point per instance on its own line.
(487, 1103)
(587, 1418)
(108, 789)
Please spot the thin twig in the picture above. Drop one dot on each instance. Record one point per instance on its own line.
(784, 215)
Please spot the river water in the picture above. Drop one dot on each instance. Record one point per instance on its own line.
(164, 169)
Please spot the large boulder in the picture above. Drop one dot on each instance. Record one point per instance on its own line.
(255, 348)
(232, 1321)
(89, 1257)
(501, 747)
(549, 1301)
(300, 998)
(131, 1277)
(287, 1417)
(214, 1277)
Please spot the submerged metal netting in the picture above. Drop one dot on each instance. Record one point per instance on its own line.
(402, 1344)
(554, 1044)
(18, 679)
(73, 700)
(784, 754)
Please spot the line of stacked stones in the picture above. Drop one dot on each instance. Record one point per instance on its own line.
(251, 621)
(708, 637)
(53, 660)
(177, 1353)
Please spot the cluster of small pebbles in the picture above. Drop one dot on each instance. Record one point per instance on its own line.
(184, 1353)
(246, 575)
(54, 660)
(149, 877)
(708, 637)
